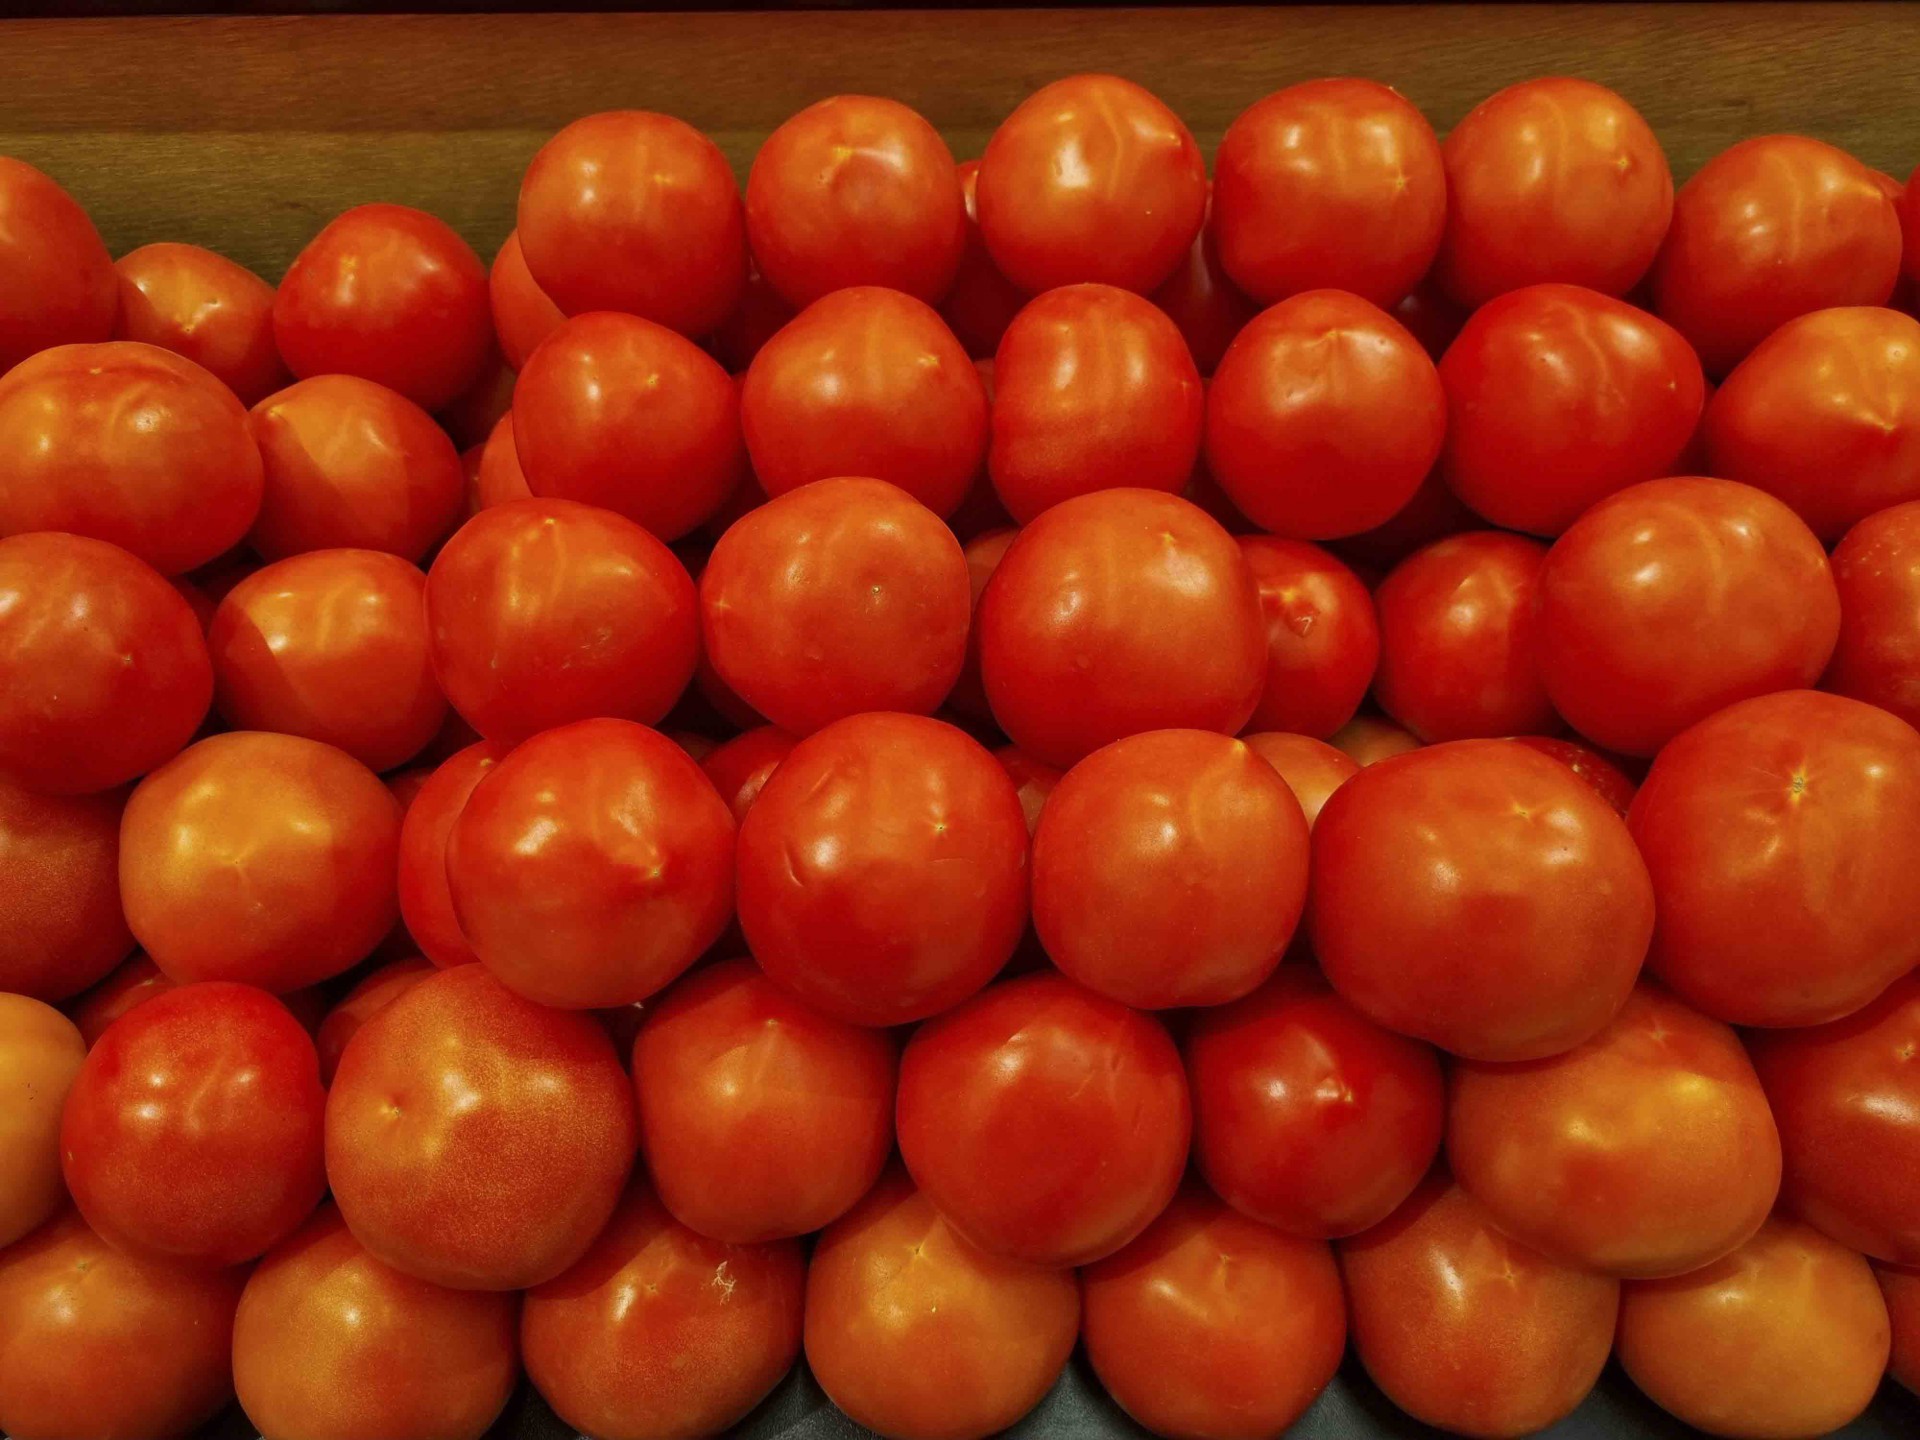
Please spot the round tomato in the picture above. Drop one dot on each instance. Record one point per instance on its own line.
(981, 302)
(1323, 637)
(984, 553)
(1312, 768)
(57, 285)
(1032, 779)
(499, 477)
(523, 313)
(740, 768)
(426, 899)
(1901, 1290)
(60, 856)
(1876, 569)
(1206, 306)
(40, 1054)
(1612, 783)
(132, 985)
(202, 305)
(1367, 739)
(375, 991)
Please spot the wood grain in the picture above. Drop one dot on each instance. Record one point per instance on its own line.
(248, 133)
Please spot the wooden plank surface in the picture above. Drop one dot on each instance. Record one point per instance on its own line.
(248, 133)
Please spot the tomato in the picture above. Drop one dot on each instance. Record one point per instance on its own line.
(1118, 612)
(914, 1333)
(470, 416)
(523, 313)
(131, 985)
(426, 900)
(1901, 1290)
(40, 1054)
(1432, 319)
(1412, 856)
(1786, 1337)
(620, 412)
(866, 382)
(60, 856)
(1331, 184)
(1033, 780)
(1090, 178)
(1673, 599)
(1612, 783)
(981, 301)
(330, 1344)
(1876, 569)
(1207, 307)
(1046, 1123)
(1467, 1329)
(266, 859)
(759, 316)
(1847, 1097)
(592, 865)
(107, 1345)
(352, 465)
(741, 767)
(1746, 816)
(499, 477)
(1433, 513)
(375, 991)
(1323, 637)
(57, 285)
(1312, 768)
(1093, 387)
(1366, 739)
(202, 305)
(983, 554)
(476, 1139)
(637, 212)
(1458, 639)
(1212, 1327)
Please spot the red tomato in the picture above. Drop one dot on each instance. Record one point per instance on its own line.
(659, 1332)
(1323, 417)
(1554, 180)
(983, 554)
(523, 313)
(1783, 835)
(1212, 1327)
(60, 856)
(1118, 612)
(1413, 855)
(1787, 1336)
(1091, 178)
(616, 411)
(592, 865)
(914, 1333)
(426, 901)
(377, 990)
(352, 465)
(1330, 184)
(1433, 513)
(102, 1343)
(1207, 307)
(133, 984)
(759, 1118)
(476, 1139)
(1673, 599)
(330, 1344)
(1458, 639)
(266, 859)
(637, 212)
(1467, 1329)
(1612, 783)
(1033, 780)
(499, 477)
(1093, 387)
(1876, 569)
(1367, 739)
(760, 315)
(1306, 1115)
(740, 768)
(981, 301)
(202, 305)
(103, 668)
(1312, 768)
(40, 1054)
(57, 285)
(1323, 637)
(1556, 398)
(1046, 1123)
(866, 382)
(1901, 1291)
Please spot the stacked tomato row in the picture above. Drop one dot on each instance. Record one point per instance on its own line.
(947, 845)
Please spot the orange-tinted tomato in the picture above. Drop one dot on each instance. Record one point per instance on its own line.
(1312, 768)
(128, 987)
(374, 993)
(60, 856)
(741, 767)
(202, 305)
(1876, 569)
(1323, 637)
(1032, 779)
(1207, 307)
(981, 301)
(1901, 1290)
(499, 478)
(57, 285)
(426, 901)
(523, 313)
(40, 1054)
(1366, 739)
(1612, 783)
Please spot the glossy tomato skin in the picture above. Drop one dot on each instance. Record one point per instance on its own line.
(372, 994)
(632, 211)
(1876, 569)
(1331, 184)
(100, 1343)
(1673, 599)
(129, 986)
(1091, 178)
(498, 477)
(1408, 853)
(1768, 229)
(1366, 739)
(60, 855)
(40, 1054)
(1901, 1290)
(426, 899)
(202, 305)
(592, 865)
(740, 768)
(1093, 386)
(264, 859)
(1603, 773)
(1552, 180)
(984, 553)
(915, 1333)
(1312, 768)
(1750, 812)
(1046, 1123)
(1118, 612)
(59, 287)
(981, 301)
(1785, 1338)
(866, 381)
(1467, 1329)
(842, 597)
(1208, 308)
(1169, 869)
(1323, 417)
(1323, 637)
(883, 869)
(1192, 1355)
(523, 313)
(476, 1139)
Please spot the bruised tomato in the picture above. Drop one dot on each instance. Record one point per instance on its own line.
(204, 306)
(57, 284)
(1323, 637)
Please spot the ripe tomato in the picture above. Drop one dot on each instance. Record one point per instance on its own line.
(375, 991)
(1433, 513)
(1556, 398)
(1207, 307)
(1330, 184)
(637, 212)
(476, 1139)
(523, 313)
(471, 415)
(758, 317)
(57, 285)
(914, 1333)
(1612, 783)
(983, 554)
(330, 1344)
(620, 412)
(1412, 855)
(740, 768)
(981, 301)
(1673, 599)
(1312, 768)
(1901, 1290)
(1367, 739)
(1787, 1336)
(838, 598)
(266, 859)
(1467, 1329)
(1750, 813)
(1876, 569)
(100, 1342)
(499, 478)
(426, 901)
(1090, 178)
(1118, 612)
(60, 856)
(40, 1053)
(866, 382)
(131, 985)
(1093, 387)
(1323, 636)
(1032, 779)
(1554, 180)
(202, 305)
(352, 465)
